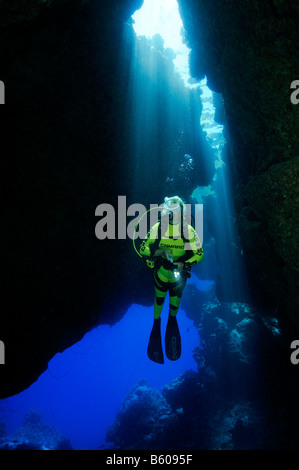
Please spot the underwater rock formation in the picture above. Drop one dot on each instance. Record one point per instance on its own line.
(243, 397)
(34, 434)
(65, 90)
(248, 51)
(188, 419)
(267, 223)
(144, 416)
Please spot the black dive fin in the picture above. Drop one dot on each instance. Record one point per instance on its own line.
(172, 339)
(154, 349)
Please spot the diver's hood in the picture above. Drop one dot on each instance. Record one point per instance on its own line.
(174, 203)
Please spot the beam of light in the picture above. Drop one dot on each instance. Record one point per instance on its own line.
(162, 17)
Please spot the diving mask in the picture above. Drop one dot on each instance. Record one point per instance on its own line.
(173, 207)
(172, 204)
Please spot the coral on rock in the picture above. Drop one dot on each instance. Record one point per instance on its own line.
(35, 434)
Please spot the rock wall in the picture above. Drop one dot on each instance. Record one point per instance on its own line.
(65, 74)
(248, 51)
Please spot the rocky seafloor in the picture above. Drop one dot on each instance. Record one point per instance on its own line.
(34, 434)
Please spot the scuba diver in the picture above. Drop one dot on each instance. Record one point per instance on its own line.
(173, 247)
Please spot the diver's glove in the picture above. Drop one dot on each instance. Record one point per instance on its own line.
(187, 270)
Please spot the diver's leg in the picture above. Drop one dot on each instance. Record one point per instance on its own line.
(176, 290)
(159, 302)
(161, 292)
(174, 304)
(154, 349)
(173, 346)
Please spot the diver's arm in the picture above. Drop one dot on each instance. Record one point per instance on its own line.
(147, 246)
(195, 252)
(198, 256)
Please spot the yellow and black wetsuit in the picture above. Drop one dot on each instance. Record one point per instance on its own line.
(186, 250)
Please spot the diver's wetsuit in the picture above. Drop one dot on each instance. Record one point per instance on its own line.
(189, 251)
(168, 278)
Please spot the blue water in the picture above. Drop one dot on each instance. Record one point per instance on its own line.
(84, 386)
